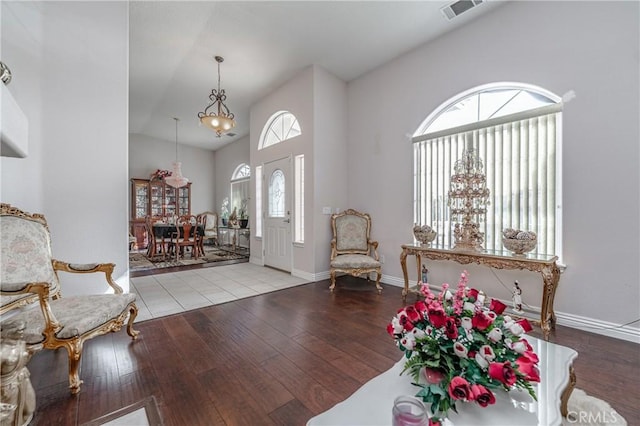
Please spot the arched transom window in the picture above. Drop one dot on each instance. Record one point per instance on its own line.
(281, 126)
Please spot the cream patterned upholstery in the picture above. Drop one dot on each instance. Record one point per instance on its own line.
(210, 221)
(352, 250)
(29, 276)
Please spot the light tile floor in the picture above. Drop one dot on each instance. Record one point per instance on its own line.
(171, 293)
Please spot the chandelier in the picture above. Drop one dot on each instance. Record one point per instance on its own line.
(176, 179)
(216, 115)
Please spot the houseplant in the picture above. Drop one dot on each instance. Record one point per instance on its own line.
(244, 214)
(224, 211)
(460, 349)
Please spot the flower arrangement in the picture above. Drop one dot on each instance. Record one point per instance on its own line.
(160, 174)
(462, 348)
(224, 209)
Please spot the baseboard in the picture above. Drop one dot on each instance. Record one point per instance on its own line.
(590, 325)
(605, 328)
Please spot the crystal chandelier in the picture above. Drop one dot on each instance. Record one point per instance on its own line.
(176, 179)
(216, 115)
(468, 201)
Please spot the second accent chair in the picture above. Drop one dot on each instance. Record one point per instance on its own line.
(352, 250)
(210, 222)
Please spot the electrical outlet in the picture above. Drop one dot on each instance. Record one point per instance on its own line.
(382, 259)
(326, 210)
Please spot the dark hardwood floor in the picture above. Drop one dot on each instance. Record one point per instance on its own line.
(278, 358)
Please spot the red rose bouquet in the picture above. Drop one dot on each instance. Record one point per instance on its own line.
(463, 348)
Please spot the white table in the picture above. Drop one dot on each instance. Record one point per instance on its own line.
(371, 404)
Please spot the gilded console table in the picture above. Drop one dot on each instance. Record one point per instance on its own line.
(499, 259)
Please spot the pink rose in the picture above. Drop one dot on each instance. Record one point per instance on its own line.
(421, 307)
(497, 306)
(525, 325)
(459, 389)
(472, 293)
(529, 369)
(406, 324)
(450, 328)
(482, 395)
(412, 314)
(502, 372)
(437, 317)
(481, 321)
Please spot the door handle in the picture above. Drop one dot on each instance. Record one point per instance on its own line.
(287, 220)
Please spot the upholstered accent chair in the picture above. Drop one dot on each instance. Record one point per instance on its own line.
(29, 277)
(209, 221)
(352, 250)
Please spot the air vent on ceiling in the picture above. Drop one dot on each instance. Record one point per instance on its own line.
(459, 7)
(230, 134)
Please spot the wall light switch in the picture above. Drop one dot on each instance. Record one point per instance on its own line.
(326, 210)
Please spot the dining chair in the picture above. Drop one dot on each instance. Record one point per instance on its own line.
(157, 244)
(185, 235)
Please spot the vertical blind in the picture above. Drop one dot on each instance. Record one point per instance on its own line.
(519, 156)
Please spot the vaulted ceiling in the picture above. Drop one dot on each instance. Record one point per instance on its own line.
(264, 43)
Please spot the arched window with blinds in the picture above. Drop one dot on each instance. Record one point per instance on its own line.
(515, 130)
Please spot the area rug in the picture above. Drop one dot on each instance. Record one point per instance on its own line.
(142, 413)
(583, 410)
(139, 262)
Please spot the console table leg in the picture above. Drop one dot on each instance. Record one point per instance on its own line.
(566, 393)
(403, 264)
(551, 277)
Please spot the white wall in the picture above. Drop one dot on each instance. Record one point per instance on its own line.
(328, 186)
(589, 47)
(76, 96)
(21, 32)
(147, 154)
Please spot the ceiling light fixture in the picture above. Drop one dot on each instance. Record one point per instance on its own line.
(219, 119)
(176, 179)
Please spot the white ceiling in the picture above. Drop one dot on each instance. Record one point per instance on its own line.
(264, 43)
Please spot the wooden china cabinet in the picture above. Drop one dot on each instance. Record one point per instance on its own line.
(155, 198)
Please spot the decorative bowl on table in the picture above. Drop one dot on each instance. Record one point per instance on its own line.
(519, 242)
(425, 234)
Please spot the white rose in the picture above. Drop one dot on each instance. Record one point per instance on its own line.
(468, 306)
(408, 342)
(460, 350)
(487, 353)
(483, 363)
(519, 346)
(516, 329)
(480, 298)
(397, 327)
(466, 323)
(417, 333)
(495, 335)
(448, 295)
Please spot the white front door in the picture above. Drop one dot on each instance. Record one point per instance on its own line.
(277, 215)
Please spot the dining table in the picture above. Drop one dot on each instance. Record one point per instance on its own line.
(165, 231)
